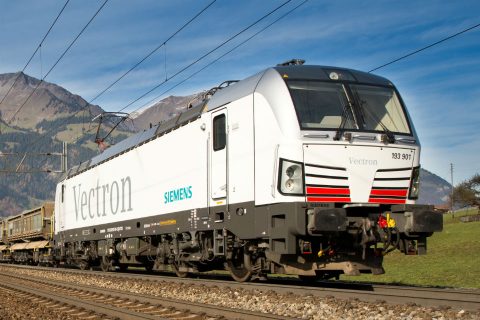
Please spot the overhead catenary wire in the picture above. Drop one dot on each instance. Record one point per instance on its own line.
(223, 55)
(163, 44)
(426, 47)
(128, 71)
(55, 64)
(183, 69)
(39, 46)
(172, 77)
(58, 60)
(152, 52)
(216, 60)
(206, 54)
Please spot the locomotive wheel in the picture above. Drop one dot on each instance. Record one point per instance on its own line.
(238, 267)
(83, 265)
(149, 267)
(106, 264)
(176, 268)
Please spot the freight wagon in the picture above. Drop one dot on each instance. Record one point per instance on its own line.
(26, 237)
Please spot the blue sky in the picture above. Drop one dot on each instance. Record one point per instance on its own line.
(441, 86)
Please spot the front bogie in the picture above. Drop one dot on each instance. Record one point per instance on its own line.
(333, 238)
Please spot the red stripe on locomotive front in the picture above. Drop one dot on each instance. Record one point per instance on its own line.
(328, 199)
(389, 192)
(383, 200)
(317, 190)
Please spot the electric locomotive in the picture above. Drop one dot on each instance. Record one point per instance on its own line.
(304, 170)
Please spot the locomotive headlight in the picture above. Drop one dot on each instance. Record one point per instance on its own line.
(294, 171)
(291, 177)
(414, 184)
(290, 185)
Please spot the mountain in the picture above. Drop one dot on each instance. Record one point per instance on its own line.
(48, 101)
(433, 189)
(55, 110)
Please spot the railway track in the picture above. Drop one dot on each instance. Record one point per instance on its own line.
(381, 295)
(468, 299)
(87, 302)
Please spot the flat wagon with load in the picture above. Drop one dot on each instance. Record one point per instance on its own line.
(4, 252)
(27, 236)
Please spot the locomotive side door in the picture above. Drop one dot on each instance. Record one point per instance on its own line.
(59, 210)
(218, 159)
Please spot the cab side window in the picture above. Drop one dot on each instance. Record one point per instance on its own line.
(219, 133)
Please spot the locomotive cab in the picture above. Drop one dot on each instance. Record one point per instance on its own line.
(347, 171)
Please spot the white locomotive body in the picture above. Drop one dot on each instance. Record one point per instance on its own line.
(298, 169)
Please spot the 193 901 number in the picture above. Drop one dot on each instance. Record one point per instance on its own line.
(401, 156)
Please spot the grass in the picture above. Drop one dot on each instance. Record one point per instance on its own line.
(72, 132)
(6, 129)
(456, 215)
(452, 259)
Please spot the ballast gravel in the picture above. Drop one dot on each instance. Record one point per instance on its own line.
(290, 305)
(13, 307)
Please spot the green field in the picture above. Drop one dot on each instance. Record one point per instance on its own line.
(452, 259)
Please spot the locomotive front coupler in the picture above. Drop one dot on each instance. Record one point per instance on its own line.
(413, 224)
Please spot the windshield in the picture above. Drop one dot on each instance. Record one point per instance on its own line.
(325, 105)
(321, 105)
(380, 108)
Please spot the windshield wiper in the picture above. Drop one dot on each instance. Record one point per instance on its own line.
(389, 134)
(344, 118)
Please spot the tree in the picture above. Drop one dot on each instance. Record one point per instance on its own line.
(467, 193)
